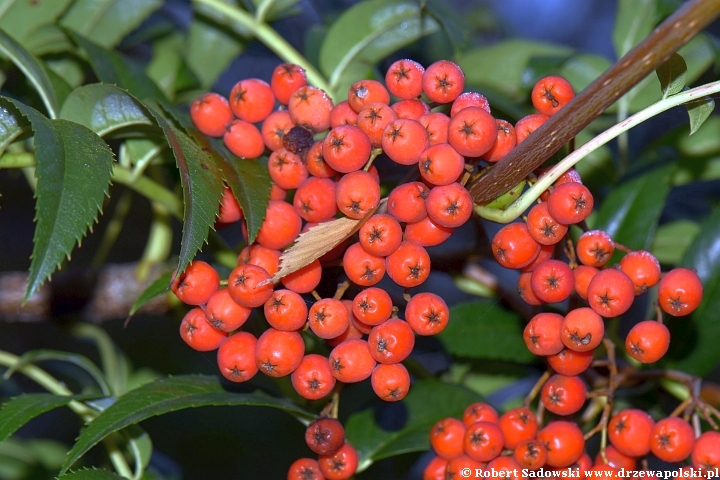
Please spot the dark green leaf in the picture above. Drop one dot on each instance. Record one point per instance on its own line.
(139, 444)
(634, 20)
(582, 69)
(703, 142)
(33, 69)
(698, 111)
(73, 174)
(368, 32)
(167, 61)
(673, 239)
(35, 356)
(248, 179)
(672, 75)
(693, 344)
(250, 182)
(427, 402)
(210, 49)
(20, 18)
(61, 87)
(631, 211)
(104, 109)
(91, 474)
(157, 288)
(500, 66)
(112, 67)
(19, 410)
(484, 329)
(168, 395)
(698, 55)
(452, 22)
(202, 189)
(276, 9)
(48, 39)
(108, 21)
(12, 125)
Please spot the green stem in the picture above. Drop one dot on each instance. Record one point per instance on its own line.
(267, 35)
(150, 189)
(521, 204)
(52, 385)
(262, 10)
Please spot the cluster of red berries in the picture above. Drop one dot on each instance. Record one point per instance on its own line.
(336, 458)
(335, 177)
(513, 443)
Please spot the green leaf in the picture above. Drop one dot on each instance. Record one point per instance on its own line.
(484, 329)
(19, 18)
(672, 75)
(631, 211)
(582, 69)
(156, 288)
(693, 344)
(12, 125)
(248, 179)
(47, 39)
(108, 21)
(427, 402)
(698, 55)
(91, 474)
(73, 172)
(112, 67)
(634, 21)
(33, 69)
(501, 65)
(104, 109)
(202, 189)
(19, 410)
(673, 239)
(698, 111)
(210, 49)
(35, 356)
(167, 61)
(277, 9)
(704, 142)
(368, 32)
(250, 182)
(166, 395)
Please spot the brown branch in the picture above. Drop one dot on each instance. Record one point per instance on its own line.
(97, 295)
(657, 48)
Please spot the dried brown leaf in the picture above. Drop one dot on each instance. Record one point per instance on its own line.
(317, 241)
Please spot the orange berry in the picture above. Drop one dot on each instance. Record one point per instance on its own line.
(211, 114)
(252, 100)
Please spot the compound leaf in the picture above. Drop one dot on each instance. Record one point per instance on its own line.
(20, 18)
(672, 75)
(166, 395)
(19, 410)
(631, 212)
(693, 344)
(484, 329)
(33, 69)
(73, 173)
(427, 402)
(113, 68)
(202, 189)
(104, 109)
(367, 33)
(108, 21)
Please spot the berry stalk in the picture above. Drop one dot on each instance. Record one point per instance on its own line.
(521, 204)
(657, 48)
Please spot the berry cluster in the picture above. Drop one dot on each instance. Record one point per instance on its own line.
(331, 177)
(337, 459)
(513, 442)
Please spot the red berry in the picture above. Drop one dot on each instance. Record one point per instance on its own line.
(680, 292)
(325, 435)
(279, 353)
(648, 341)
